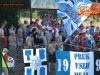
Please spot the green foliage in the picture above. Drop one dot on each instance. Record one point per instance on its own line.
(36, 14)
(27, 14)
(9, 13)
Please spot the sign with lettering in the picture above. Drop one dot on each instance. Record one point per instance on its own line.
(75, 63)
(36, 61)
(97, 63)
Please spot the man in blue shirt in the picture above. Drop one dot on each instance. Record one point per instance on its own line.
(91, 30)
(27, 31)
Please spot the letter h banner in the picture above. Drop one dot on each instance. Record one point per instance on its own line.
(36, 62)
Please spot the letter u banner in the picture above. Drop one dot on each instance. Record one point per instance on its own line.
(77, 63)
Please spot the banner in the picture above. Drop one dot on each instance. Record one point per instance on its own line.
(97, 63)
(76, 63)
(67, 11)
(36, 61)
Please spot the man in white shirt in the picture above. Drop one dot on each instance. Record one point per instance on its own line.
(49, 28)
(55, 31)
(88, 35)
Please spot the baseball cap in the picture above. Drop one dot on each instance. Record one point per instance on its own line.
(5, 50)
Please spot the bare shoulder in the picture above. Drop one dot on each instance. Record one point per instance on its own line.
(27, 38)
(50, 45)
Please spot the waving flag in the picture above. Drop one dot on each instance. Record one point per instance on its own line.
(67, 11)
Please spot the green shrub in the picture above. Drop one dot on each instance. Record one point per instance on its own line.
(9, 13)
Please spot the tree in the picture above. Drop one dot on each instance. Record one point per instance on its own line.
(9, 13)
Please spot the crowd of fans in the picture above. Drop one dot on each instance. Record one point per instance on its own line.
(49, 33)
(86, 38)
(33, 34)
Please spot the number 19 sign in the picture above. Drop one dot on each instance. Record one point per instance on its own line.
(75, 63)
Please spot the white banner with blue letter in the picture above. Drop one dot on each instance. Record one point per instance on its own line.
(67, 11)
(74, 63)
(36, 61)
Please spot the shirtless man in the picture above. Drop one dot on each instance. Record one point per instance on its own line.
(52, 56)
(12, 45)
(30, 41)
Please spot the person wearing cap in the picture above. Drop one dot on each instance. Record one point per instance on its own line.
(5, 59)
(25, 24)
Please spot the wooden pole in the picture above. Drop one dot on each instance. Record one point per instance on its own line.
(48, 12)
(30, 14)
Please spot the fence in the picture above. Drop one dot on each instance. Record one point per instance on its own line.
(18, 69)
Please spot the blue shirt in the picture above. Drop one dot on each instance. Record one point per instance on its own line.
(86, 44)
(45, 22)
(91, 31)
(27, 33)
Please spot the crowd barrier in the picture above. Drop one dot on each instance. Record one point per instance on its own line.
(67, 62)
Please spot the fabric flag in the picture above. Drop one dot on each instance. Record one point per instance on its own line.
(97, 63)
(74, 63)
(67, 11)
(62, 59)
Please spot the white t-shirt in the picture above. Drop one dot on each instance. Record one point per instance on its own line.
(12, 64)
(49, 28)
(89, 36)
(44, 27)
(57, 33)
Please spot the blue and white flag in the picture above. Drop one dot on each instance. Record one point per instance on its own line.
(35, 61)
(74, 63)
(67, 11)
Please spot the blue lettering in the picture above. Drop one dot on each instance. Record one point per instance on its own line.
(28, 53)
(80, 73)
(81, 56)
(77, 73)
(42, 71)
(29, 71)
(75, 56)
(42, 55)
(82, 65)
(76, 65)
